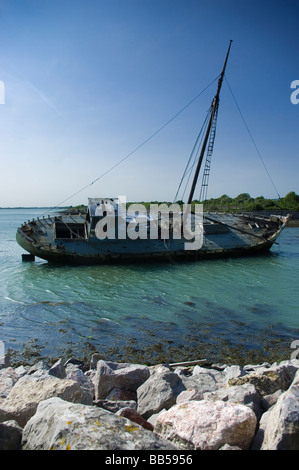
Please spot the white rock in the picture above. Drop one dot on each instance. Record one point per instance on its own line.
(207, 425)
(190, 394)
(242, 394)
(282, 426)
(158, 392)
(26, 394)
(60, 425)
(110, 375)
(8, 378)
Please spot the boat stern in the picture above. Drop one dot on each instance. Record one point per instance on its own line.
(25, 241)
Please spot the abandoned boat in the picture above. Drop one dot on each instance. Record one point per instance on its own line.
(108, 232)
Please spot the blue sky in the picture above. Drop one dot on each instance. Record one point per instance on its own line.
(87, 81)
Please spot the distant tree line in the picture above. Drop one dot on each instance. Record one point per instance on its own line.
(245, 203)
(242, 203)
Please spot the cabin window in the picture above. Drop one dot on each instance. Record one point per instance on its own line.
(71, 230)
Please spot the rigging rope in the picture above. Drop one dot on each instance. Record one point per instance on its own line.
(193, 152)
(258, 152)
(138, 147)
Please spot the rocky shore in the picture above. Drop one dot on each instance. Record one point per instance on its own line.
(175, 407)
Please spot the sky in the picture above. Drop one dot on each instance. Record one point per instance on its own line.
(85, 83)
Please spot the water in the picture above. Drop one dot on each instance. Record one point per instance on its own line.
(236, 310)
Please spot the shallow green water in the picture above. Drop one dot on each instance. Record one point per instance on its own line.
(233, 310)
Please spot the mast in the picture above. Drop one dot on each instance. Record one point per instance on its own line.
(214, 109)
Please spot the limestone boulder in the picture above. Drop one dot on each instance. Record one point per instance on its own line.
(159, 391)
(10, 435)
(207, 425)
(112, 375)
(245, 394)
(22, 401)
(279, 426)
(267, 380)
(61, 425)
(115, 405)
(73, 372)
(190, 394)
(8, 378)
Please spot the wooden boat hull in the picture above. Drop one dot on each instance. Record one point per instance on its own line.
(75, 239)
(220, 240)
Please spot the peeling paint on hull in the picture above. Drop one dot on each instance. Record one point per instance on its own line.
(38, 238)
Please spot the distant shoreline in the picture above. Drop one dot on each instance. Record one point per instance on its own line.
(293, 222)
(40, 208)
(241, 203)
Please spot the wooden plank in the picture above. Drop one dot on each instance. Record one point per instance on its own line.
(189, 363)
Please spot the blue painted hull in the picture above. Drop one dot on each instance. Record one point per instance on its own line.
(226, 236)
